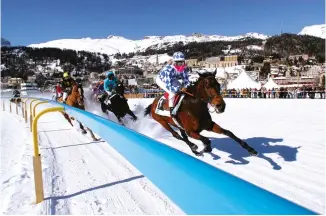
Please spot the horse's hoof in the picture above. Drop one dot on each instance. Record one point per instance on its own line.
(96, 139)
(197, 153)
(208, 149)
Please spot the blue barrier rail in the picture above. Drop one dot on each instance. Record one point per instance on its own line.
(195, 186)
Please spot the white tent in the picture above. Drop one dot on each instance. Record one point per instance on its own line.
(270, 84)
(244, 81)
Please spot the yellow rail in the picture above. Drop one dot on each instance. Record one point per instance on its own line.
(34, 109)
(30, 114)
(37, 165)
(24, 100)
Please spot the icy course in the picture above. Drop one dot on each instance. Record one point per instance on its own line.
(86, 177)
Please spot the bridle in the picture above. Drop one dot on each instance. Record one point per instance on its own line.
(209, 101)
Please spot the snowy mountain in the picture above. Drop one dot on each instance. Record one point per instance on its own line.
(5, 42)
(314, 30)
(116, 44)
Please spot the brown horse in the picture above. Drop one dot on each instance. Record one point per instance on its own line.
(193, 114)
(75, 99)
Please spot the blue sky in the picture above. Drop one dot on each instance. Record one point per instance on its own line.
(24, 22)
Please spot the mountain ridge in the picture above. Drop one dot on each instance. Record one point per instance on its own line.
(114, 44)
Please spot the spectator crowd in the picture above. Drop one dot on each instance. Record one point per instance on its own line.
(152, 91)
(290, 92)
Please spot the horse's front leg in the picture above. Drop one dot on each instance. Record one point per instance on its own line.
(82, 127)
(205, 140)
(217, 129)
(192, 146)
(132, 115)
(92, 134)
(67, 117)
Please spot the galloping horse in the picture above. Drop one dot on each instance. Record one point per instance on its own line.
(193, 114)
(75, 99)
(119, 105)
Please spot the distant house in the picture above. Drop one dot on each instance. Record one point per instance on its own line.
(212, 62)
(15, 81)
(223, 61)
(297, 57)
(229, 61)
(192, 62)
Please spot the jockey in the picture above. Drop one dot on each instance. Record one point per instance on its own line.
(101, 87)
(110, 83)
(80, 85)
(168, 78)
(67, 85)
(58, 91)
(16, 93)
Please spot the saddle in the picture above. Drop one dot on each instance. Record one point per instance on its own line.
(163, 104)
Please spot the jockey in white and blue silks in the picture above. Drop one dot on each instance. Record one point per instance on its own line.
(169, 76)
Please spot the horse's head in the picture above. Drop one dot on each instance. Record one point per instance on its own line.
(77, 95)
(120, 88)
(208, 89)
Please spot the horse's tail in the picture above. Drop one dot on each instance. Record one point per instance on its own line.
(148, 110)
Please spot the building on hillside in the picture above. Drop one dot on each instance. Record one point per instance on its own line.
(229, 61)
(224, 61)
(15, 81)
(294, 81)
(297, 57)
(212, 62)
(312, 71)
(129, 72)
(192, 62)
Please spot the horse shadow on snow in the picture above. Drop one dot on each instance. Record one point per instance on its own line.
(260, 144)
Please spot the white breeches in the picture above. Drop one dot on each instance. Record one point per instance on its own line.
(162, 85)
(58, 94)
(65, 95)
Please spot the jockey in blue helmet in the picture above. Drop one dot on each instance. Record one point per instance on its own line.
(168, 78)
(110, 83)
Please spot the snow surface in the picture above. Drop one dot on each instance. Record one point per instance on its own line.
(80, 176)
(115, 44)
(83, 177)
(314, 30)
(244, 81)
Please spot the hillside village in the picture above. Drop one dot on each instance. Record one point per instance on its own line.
(262, 59)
